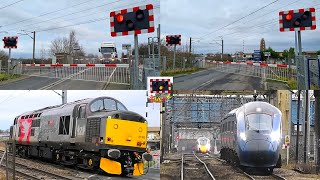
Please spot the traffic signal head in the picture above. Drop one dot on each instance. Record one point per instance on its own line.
(136, 20)
(173, 40)
(10, 42)
(160, 85)
(297, 20)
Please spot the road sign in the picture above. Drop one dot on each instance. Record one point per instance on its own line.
(126, 46)
(10, 42)
(267, 54)
(287, 140)
(131, 21)
(297, 20)
(172, 40)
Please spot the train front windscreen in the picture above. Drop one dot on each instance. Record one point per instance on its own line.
(259, 122)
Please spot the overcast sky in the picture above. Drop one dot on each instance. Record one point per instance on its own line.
(196, 19)
(24, 16)
(14, 103)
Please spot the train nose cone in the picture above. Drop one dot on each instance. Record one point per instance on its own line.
(258, 153)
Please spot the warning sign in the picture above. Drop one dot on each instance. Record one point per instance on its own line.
(287, 140)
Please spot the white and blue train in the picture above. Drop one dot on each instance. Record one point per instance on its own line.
(251, 136)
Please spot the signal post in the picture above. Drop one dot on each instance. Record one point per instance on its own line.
(9, 43)
(173, 40)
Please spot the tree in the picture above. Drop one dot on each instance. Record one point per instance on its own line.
(274, 54)
(67, 45)
(4, 58)
(318, 52)
(291, 52)
(43, 54)
(285, 54)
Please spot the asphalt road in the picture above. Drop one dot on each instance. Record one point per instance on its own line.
(34, 83)
(216, 80)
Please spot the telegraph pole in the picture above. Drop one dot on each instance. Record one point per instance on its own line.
(64, 97)
(190, 45)
(317, 126)
(34, 46)
(222, 49)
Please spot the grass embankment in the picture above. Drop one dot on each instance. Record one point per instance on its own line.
(5, 76)
(180, 71)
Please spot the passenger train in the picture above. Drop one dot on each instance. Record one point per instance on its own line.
(251, 136)
(95, 134)
(203, 145)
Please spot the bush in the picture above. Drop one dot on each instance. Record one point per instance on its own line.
(293, 84)
(5, 77)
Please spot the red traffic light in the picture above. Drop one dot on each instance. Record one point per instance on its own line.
(120, 18)
(289, 17)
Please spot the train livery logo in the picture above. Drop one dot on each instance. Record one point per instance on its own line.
(25, 129)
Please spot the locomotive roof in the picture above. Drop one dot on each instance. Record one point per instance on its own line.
(70, 104)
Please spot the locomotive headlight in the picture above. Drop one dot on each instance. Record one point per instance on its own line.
(243, 136)
(275, 136)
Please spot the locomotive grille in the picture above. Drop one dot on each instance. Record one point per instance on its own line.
(93, 130)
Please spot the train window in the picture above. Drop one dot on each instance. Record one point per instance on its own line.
(259, 122)
(22, 117)
(82, 112)
(121, 107)
(64, 125)
(96, 106)
(110, 104)
(15, 121)
(36, 123)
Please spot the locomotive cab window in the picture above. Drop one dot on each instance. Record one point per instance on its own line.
(110, 104)
(121, 107)
(259, 122)
(97, 106)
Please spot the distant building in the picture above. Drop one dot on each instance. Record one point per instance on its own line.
(262, 45)
(153, 133)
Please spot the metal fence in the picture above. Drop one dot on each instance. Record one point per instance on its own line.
(111, 73)
(266, 71)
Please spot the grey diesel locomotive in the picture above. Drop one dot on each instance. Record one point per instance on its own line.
(96, 133)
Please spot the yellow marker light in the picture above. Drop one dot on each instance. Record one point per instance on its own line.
(160, 88)
(115, 126)
(129, 139)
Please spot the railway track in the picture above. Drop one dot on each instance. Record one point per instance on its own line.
(192, 167)
(32, 173)
(253, 177)
(267, 177)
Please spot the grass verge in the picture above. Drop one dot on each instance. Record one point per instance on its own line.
(5, 77)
